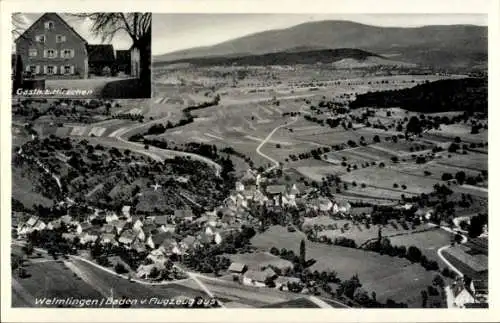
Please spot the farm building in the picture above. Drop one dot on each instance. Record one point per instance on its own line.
(237, 268)
(258, 278)
(283, 281)
(461, 295)
(101, 59)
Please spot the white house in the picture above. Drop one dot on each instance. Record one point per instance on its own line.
(258, 278)
(111, 216)
(126, 210)
(461, 295)
(240, 187)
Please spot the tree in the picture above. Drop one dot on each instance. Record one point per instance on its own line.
(414, 254)
(414, 126)
(120, 269)
(438, 281)
(460, 177)
(446, 176)
(302, 251)
(376, 139)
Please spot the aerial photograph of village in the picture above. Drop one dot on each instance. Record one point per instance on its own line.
(281, 161)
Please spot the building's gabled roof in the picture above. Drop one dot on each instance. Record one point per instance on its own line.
(259, 276)
(57, 17)
(101, 53)
(237, 267)
(183, 213)
(276, 189)
(189, 240)
(480, 285)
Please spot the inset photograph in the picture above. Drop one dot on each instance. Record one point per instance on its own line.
(81, 55)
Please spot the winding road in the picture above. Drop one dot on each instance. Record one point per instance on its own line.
(265, 140)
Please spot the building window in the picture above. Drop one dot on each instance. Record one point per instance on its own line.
(33, 52)
(67, 53)
(49, 25)
(51, 53)
(60, 39)
(40, 38)
(51, 70)
(67, 69)
(33, 69)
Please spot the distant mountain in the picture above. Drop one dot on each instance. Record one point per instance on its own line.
(341, 57)
(454, 45)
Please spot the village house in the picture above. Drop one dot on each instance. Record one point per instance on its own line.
(111, 216)
(54, 224)
(183, 215)
(160, 220)
(68, 236)
(237, 268)
(66, 219)
(51, 47)
(127, 237)
(108, 238)
(240, 187)
(144, 271)
(89, 235)
(282, 282)
(126, 211)
(101, 59)
(204, 239)
(424, 213)
(140, 235)
(108, 228)
(119, 225)
(138, 246)
(157, 256)
(82, 227)
(258, 278)
(188, 242)
(33, 224)
(274, 190)
(461, 295)
(170, 247)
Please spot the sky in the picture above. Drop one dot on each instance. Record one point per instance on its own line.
(82, 26)
(172, 32)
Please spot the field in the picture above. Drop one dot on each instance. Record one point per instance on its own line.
(50, 279)
(428, 242)
(258, 260)
(106, 282)
(389, 277)
(360, 234)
